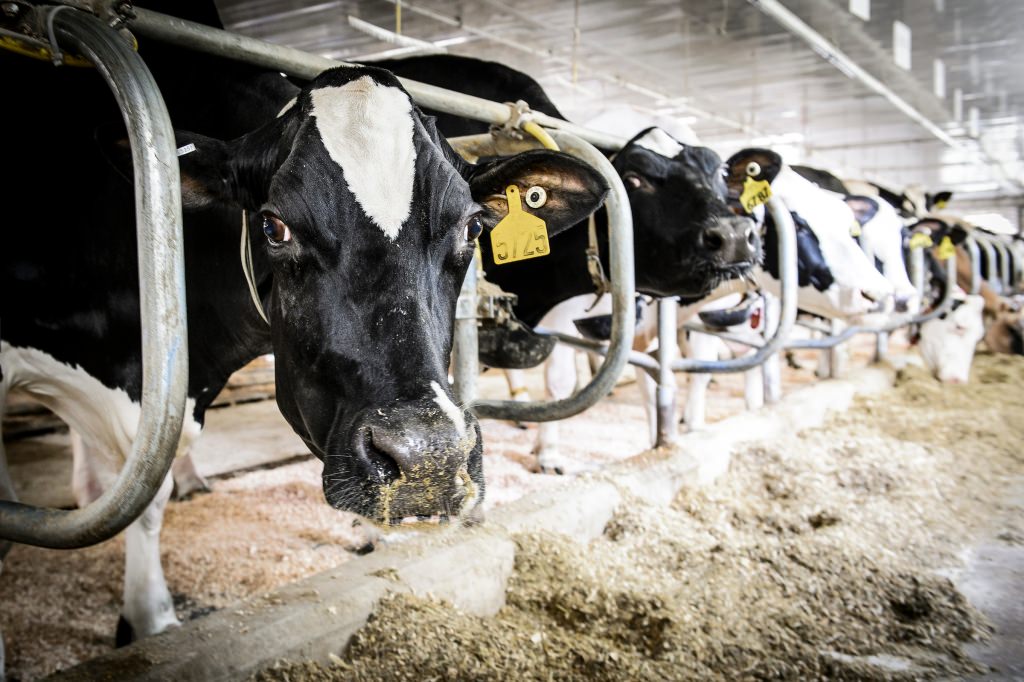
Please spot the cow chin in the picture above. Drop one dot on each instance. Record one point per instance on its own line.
(415, 464)
(701, 277)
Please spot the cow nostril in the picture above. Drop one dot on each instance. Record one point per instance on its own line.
(379, 454)
(751, 237)
(713, 239)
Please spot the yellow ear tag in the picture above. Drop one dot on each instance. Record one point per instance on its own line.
(919, 240)
(755, 193)
(946, 249)
(854, 229)
(519, 235)
(940, 205)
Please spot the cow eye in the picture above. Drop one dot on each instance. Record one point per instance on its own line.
(474, 228)
(536, 197)
(753, 168)
(275, 229)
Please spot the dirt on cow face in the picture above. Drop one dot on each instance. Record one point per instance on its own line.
(822, 555)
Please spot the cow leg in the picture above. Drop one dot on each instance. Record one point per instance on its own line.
(649, 394)
(702, 347)
(148, 608)
(753, 388)
(187, 479)
(516, 379)
(86, 480)
(560, 379)
(772, 377)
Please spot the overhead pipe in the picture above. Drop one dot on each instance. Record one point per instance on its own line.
(162, 300)
(307, 66)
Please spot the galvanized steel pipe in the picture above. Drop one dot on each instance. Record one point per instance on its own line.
(975, 254)
(787, 294)
(162, 302)
(893, 324)
(620, 248)
(307, 66)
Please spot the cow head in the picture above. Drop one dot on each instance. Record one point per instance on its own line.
(881, 238)
(948, 341)
(370, 221)
(857, 288)
(685, 236)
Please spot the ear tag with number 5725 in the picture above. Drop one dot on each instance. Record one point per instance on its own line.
(519, 235)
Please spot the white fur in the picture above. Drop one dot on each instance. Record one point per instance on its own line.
(660, 142)
(367, 129)
(882, 238)
(830, 218)
(106, 418)
(449, 408)
(947, 345)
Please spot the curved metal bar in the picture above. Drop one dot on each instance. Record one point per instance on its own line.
(990, 255)
(162, 286)
(975, 253)
(307, 66)
(1005, 265)
(620, 247)
(787, 294)
(893, 324)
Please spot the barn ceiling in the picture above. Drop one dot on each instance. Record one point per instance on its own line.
(731, 72)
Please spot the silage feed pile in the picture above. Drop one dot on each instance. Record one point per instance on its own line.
(820, 556)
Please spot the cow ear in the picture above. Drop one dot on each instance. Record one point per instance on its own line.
(204, 164)
(208, 167)
(938, 200)
(864, 208)
(572, 190)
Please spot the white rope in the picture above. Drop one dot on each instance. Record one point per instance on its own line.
(250, 278)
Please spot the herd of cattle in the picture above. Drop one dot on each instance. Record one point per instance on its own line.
(369, 221)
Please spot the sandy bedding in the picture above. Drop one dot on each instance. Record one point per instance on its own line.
(822, 556)
(262, 529)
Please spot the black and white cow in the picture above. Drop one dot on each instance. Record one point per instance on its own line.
(364, 222)
(685, 238)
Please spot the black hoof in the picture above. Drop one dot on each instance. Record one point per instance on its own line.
(364, 549)
(125, 634)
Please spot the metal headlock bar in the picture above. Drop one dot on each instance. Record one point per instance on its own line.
(162, 301)
(975, 253)
(894, 323)
(620, 255)
(572, 138)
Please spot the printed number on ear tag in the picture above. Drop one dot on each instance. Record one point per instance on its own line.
(919, 240)
(946, 249)
(519, 235)
(755, 193)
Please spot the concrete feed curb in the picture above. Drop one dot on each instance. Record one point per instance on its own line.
(313, 619)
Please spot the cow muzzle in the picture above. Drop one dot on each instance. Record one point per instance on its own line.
(414, 463)
(731, 241)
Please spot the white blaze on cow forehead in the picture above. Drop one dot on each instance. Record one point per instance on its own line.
(367, 129)
(660, 142)
(449, 408)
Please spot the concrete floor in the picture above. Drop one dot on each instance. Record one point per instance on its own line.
(993, 581)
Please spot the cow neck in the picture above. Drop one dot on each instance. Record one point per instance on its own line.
(543, 283)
